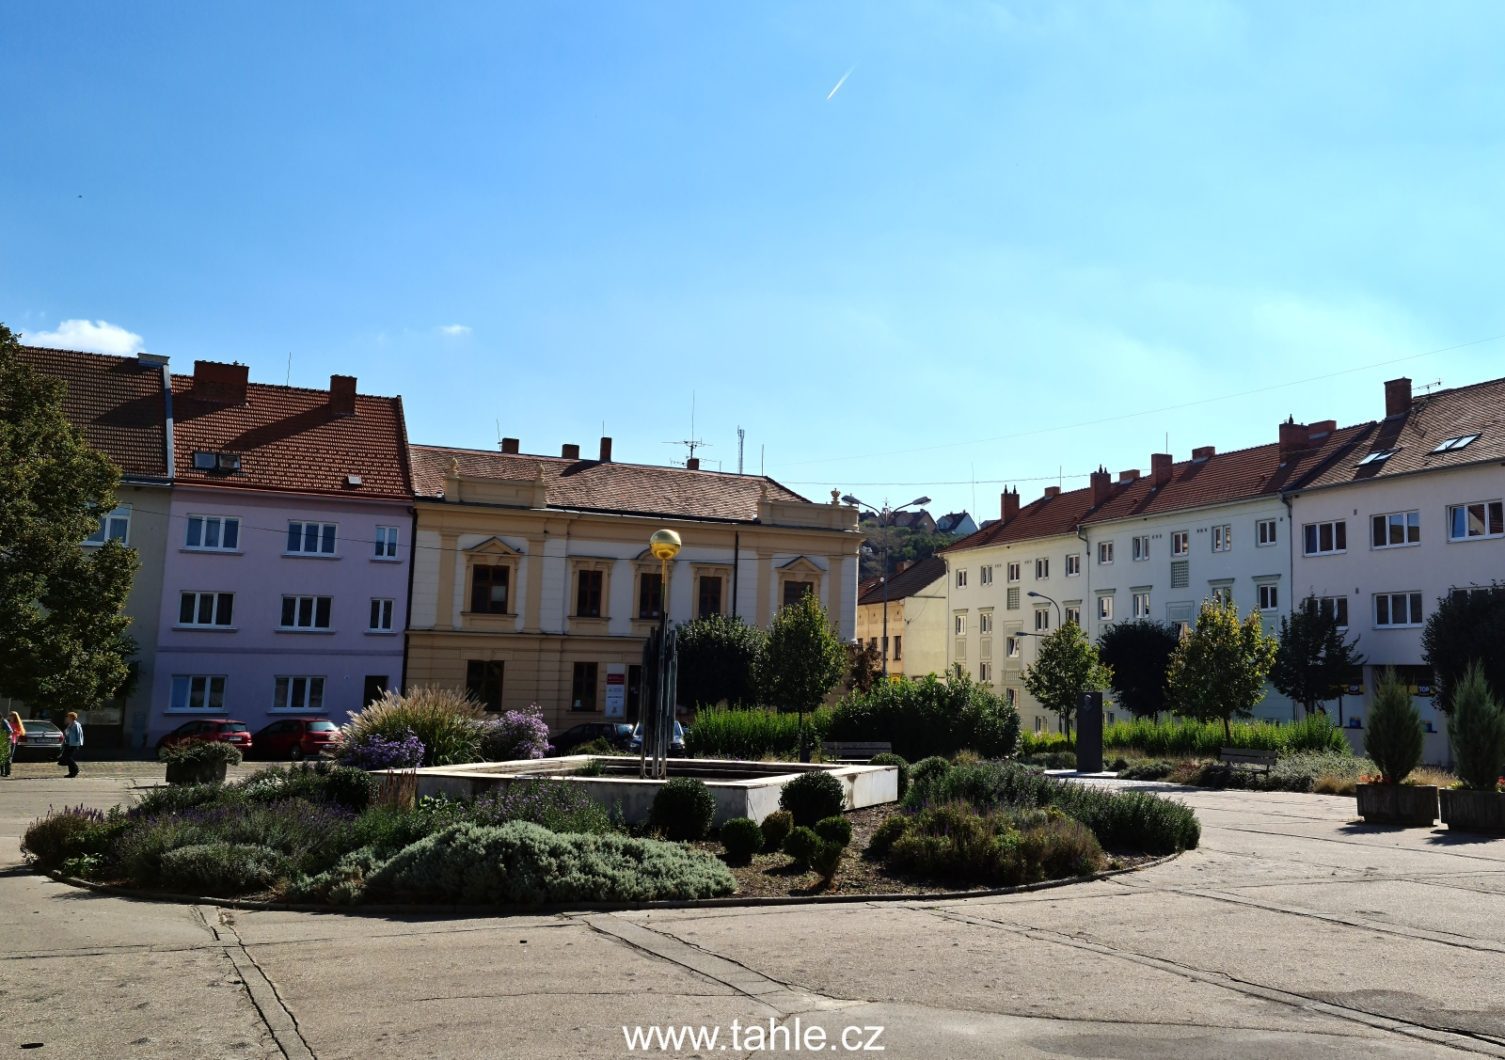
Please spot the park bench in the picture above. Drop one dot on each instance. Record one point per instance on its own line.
(1244, 756)
(854, 750)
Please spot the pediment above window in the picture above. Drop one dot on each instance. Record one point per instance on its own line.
(802, 565)
(493, 546)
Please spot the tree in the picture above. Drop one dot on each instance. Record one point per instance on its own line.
(864, 667)
(1138, 653)
(802, 660)
(1476, 730)
(718, 661)
(1219, 668)
(62, 632)
(1314, 662)
(1066, 666)
(1467, 626)
(1394, 739)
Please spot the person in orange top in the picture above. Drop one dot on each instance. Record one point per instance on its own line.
(14, 730)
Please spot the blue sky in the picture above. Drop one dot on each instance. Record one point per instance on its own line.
(1014, 233)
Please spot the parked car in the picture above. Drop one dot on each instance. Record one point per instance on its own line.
(615, 733)
(296, 738)
(42, 740)
(235, 733)
(676, 742)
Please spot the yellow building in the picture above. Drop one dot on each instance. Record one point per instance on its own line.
(915, 642)
(532, 580)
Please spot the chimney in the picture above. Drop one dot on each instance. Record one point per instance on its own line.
(605, 450)
(510, 445)
(1160, 468)
(1010, 504)
(570, 451)
(1320, 429)
(692, 464)
(1052, 491)
(1128, 476)
(342, 395)
(1397, 397)
(1204, 452)
(223, 384)
(1294, 438)
(1102, 485)
(151, 360)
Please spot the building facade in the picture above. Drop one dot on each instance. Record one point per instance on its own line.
(914, 639)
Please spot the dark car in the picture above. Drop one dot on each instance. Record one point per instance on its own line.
(615, 733)
(42, 740)
(676, 742)
(296, 738)
(235, 733)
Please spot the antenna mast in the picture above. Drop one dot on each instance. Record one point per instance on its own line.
(741, 441)
(691, 443)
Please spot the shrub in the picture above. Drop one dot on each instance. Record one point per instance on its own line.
(742, 838)
(515, 734)
(1040, 742)
(926, 770)
(1149, 769)
(374, 751)
(683, 809)
(446, 722)
(776, 828)
(315, 781)
(1188, 738)
(889, 832)
(1477, 731)
(1060, 846)
(801, 845)
(1049, 760)
(813, 795)
(1394, 738)
(956, 841)
(929, 717)
(220, 868)
(385, 829)
(199, 753)
(888, 758)
(175, 797)
(557, 806)
(70, 833)
(344, 883)
(752, 734)
(827, 859)
(834, 830)
(523, 864)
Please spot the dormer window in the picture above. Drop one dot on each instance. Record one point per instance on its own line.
(1449, 444)
(205, 460)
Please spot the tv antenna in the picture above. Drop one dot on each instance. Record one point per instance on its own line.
(1426, 387)
(741, 441)
(691, 443)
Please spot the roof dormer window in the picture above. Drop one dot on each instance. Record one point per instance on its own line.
(206, 460)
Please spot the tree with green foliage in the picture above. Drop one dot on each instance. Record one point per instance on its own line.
(718, 661)
(1066, 665)
(1218, 670)
(864, 667)
(1466, 627)
(1395, 737)
(1138, 653)
(802, 661)
(1476, 730)
(1314, 662)
(63, 643)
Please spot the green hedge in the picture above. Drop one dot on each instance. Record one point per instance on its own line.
(929, 717)
(752, 734)
(1186, 738)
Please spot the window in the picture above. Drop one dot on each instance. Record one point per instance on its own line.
(1073, 565)
(386, 542)
(960, 625)
(306, 612)
(1042, 569)
(985, 574)
(1395, 529)
(1105, 607)
(310, 539)
(709, 596)
(1482, 519)
(1180, 542)
(588, 585)
(1141, 605)
(113, 526)
(1322, 539)
(1013, 571)
(1141, 547)
(794, 591)
(961, 577)
(1447, 445)
(1222, 595)
(1397, 609)
(985, 622)
(1039, 721)
(198, 692)
(1072, 613)
(985, 671)
(1105, 552)
(651, 594)
(1010, 696)
(1180, 574)
(1011, 647)
(1334, 607)
(1379, 456)
(483, 679)
(298, 693)
(583, 687)
(898, 648)
(1011, 600)
(1269, 596)
(1042, 618)
(206, 609)
(213, 533)
(1222, 538)
(381, 615)
(204, 460)
(488, 588)
(1264, 533)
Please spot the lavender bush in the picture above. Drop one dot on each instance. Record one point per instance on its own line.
(558, 806)
(515, 734)
(372, 751)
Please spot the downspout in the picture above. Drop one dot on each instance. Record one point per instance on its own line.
(1285, 498)
(407, 633)
(167, 408)
(736, 566)
(1087, 600)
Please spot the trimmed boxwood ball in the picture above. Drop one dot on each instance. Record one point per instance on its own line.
(827, 860)
(683, 809)
(889, 832)
(834, 830)
(776, 828)
(742, 838)
(802, 845)
(888, 758)
(812, 796)
(928, 769)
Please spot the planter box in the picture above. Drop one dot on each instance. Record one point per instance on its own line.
(1403, 804)
(1473, 811)
(196, 773)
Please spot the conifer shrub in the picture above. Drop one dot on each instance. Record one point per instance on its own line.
(827, 859)
(1394, 737)
(1477, 731)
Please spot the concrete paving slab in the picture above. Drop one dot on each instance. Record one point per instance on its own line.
(1401, 904)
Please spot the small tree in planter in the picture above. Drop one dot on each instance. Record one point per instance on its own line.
(1477, 731)
(198, 761)
(1394, 741)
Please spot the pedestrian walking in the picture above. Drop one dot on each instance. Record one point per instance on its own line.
(73, 742)
(14, 730)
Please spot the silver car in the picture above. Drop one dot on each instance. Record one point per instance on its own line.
(42, 739)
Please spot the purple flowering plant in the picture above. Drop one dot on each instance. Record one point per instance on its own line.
(515, 734)
(373, 751)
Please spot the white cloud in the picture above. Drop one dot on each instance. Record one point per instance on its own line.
(90, 336)
(454, 330)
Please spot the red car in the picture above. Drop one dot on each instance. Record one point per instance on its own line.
(296, 738)
(235, 733)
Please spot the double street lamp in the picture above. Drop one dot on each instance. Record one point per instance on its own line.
(885, 520)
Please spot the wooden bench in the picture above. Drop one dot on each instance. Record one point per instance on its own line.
(1244, 756)
(854, 750)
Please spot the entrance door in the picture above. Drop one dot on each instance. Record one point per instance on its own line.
(376, 685)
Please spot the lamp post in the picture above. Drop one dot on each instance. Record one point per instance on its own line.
(1042, 596)
(664, 545)
(885, 520)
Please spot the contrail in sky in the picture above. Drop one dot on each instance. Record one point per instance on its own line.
(840, 83)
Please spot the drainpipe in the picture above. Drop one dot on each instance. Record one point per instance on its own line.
(1285, 498)
(736, 566)
(407, 619)
(1087, 598)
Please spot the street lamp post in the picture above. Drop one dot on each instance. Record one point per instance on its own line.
(1042, 596)
(885, 520)
(664, 545)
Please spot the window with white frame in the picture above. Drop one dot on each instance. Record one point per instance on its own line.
(1222, 595)
(1072, 613)
(1447, 445)
(306, 612)
(381, 615)
(985, 574)
(1011, 598)
(310, 539)
(1142, 603)
(1395, 529)
(1268, 596)
(206, 609)
(1397, 609)
(985, 622)
(1042, 618)
(1042, 569)
(1105, 607)
(198, 692)
(1469, 522)
(1222, 538)
(212, 533)
(1011, 647)
(1013, 571)
(1141, 549)
(1073, 565)
(985, 671)
(1105, 552)
(1039, 721)
(1264, 533)
(1335, 607)
(960, 625)
(1180, 542)
(302, 692)
(386, 542)
(1324, 539)
(961, 577)
(115, 525)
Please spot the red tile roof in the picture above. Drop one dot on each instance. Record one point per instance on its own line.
(906, 583)
(590, 485)
(116, 401)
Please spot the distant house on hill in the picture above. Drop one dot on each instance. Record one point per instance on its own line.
(958, 524)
